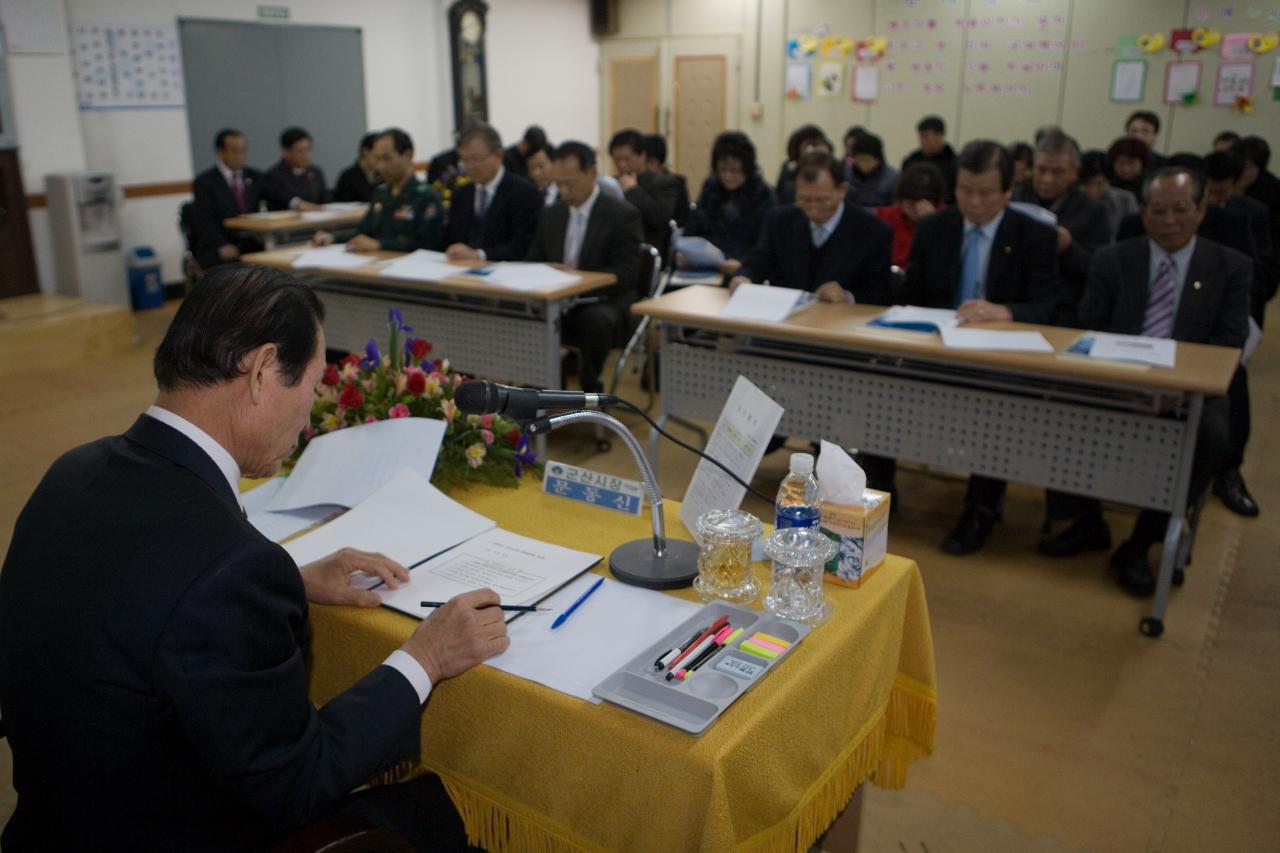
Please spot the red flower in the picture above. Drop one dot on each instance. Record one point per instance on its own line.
(419, 349)
(351, 358)
(513, 436)
(399, 410)
(486, 421)
(351, 398)
(416, 381)
(330, 375)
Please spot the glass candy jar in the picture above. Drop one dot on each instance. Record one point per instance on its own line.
(795, 583)
(724, 558)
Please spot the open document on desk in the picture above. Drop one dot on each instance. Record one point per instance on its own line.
(335, 256)
(527, 276)
(763, 302)
(1134, 349)
(954, 336)
(422, 265)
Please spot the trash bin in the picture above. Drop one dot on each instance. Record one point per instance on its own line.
(146, 290)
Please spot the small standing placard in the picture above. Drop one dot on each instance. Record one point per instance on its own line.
(592, 487)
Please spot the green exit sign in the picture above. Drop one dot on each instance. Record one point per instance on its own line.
(279, 12)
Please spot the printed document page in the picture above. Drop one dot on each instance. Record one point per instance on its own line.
(990, 339)
(335, 256)
(1157, 352)
(763, 302)
(348, 465)
(279, 526)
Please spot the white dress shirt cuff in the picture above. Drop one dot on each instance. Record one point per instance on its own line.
(295, 202)
(408, 666)
(482, 255)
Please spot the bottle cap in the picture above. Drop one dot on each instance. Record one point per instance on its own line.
(802, 464)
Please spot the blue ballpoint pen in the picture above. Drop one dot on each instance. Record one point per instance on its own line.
(572, 607)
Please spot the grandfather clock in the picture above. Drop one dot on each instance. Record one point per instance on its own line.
(466, 43)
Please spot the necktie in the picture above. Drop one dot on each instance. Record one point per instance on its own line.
(970, 287)
(482, 202)
(1158, 322)
(237, 190)
(573, 237)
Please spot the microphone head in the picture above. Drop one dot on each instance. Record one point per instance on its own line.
(477, 397)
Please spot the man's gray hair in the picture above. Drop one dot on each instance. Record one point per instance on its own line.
(480, 130)
(1052, 140)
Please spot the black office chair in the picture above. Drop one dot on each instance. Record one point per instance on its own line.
(191, 269)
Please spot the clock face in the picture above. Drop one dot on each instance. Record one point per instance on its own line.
(470, 28)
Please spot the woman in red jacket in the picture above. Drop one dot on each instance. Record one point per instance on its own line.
(920, 191)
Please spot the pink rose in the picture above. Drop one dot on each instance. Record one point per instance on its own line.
(370, 419)
(486, 421)
(399, 410)
(487, 435)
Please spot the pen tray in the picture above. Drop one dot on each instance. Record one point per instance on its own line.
(692, 705)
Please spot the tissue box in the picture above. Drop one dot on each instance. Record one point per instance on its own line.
(862, 531)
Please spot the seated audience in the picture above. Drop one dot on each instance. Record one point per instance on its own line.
(1223, 171)
(1128, 159)
(920, 191)
(733, 201)
(357, 181)
(654, 194)
(406, 214)
(835, 250)
(166, 708)
(871, 180)
(803, 140)
(443, 168)
(1257, 182)
(1226, 140)
(538, 162)
(1144, 125)
(990, 263)
(295, 183)
(932, 132)
(850, 136)
(1143, 286)
(655, 150)
(515, 159)
(228, 188)
(1022, 155)
(1095, 182)
(493, 215)
(588, 229)
(1081, 221)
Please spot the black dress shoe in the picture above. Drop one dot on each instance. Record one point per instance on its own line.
(971, 531)
(1087, 534)
(1235, 496)
(1133, 571)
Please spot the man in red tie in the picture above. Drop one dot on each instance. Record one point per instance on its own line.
(1169, 284)
(227, 189)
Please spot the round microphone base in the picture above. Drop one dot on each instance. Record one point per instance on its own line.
(635, 563)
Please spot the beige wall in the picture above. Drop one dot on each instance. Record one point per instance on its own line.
(1073, 88)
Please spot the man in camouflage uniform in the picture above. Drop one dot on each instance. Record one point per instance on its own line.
(405, 214)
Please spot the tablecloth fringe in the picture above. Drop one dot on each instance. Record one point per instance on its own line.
(505, 826)
(901, 733)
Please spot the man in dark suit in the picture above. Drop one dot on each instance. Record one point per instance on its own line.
(836, 250)
(588, 229)
(358, 181)
(1169, 284)
(1082, 222)
(655, 152)
(990, 264)
(935, 149)
(654, 194)
(295, 183)
(493, 216)
(229, 188)
(154, 674)
(515, 159)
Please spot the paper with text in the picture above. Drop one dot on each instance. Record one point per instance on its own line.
(422, 265)
(335, 256)
(408, 520)
(521, 570)
(532, 277)
(617, 622)
(747, 422)
(988, 339)
(762, 302)
(1157, 352)
(348, 465)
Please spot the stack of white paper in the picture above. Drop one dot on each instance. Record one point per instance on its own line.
(762, 302)
(335, 256)
(1158, 352)
(344, 467)
(521, 570)
(531, 277)
(408, 520)
(962, 338)
(609, 629)
(278, 526)
(422, 265)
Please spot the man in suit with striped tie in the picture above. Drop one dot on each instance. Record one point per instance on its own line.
(1169, 284)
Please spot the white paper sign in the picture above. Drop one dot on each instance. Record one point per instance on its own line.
(1128, 80)
(747, 422)
(127, 66)
(866, 82)
(1275, 73)
(1234, 80)
(1157, 352)
(1181, 78)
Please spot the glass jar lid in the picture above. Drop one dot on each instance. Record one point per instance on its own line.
(800, 546)
(729, 526)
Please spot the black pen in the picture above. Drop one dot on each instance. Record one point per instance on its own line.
(509, 608)
(667, 656)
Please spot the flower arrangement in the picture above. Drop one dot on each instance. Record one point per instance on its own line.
(406, 382)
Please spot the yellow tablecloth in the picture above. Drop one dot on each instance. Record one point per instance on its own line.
(533, 769)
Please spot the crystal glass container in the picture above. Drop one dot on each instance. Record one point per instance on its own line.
(795, 582)
(724, 560)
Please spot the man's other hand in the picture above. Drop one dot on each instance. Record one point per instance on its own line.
(328, 580)
(466, 631)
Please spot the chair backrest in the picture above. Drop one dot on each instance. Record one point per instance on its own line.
(670, 260)
(650, 271)
(186, 223)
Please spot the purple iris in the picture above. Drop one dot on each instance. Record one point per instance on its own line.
(396, 318)
(524, 455)
(372, 357)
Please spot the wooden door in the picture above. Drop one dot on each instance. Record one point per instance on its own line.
(699, 110)
(633, 94)
(18, 269)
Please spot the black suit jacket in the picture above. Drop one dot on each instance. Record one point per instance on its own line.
(1086, 220)
(354, 185)
(856, 254)
(508, 223)
(611, 243)
(213, 202)
(283, 186)
(656, 195)
(1022, 269)
(154, 673)
(1213, 307)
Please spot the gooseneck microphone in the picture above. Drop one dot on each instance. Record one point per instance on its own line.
(480, 397)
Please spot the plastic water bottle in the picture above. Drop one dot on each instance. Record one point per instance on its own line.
(797, 504)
